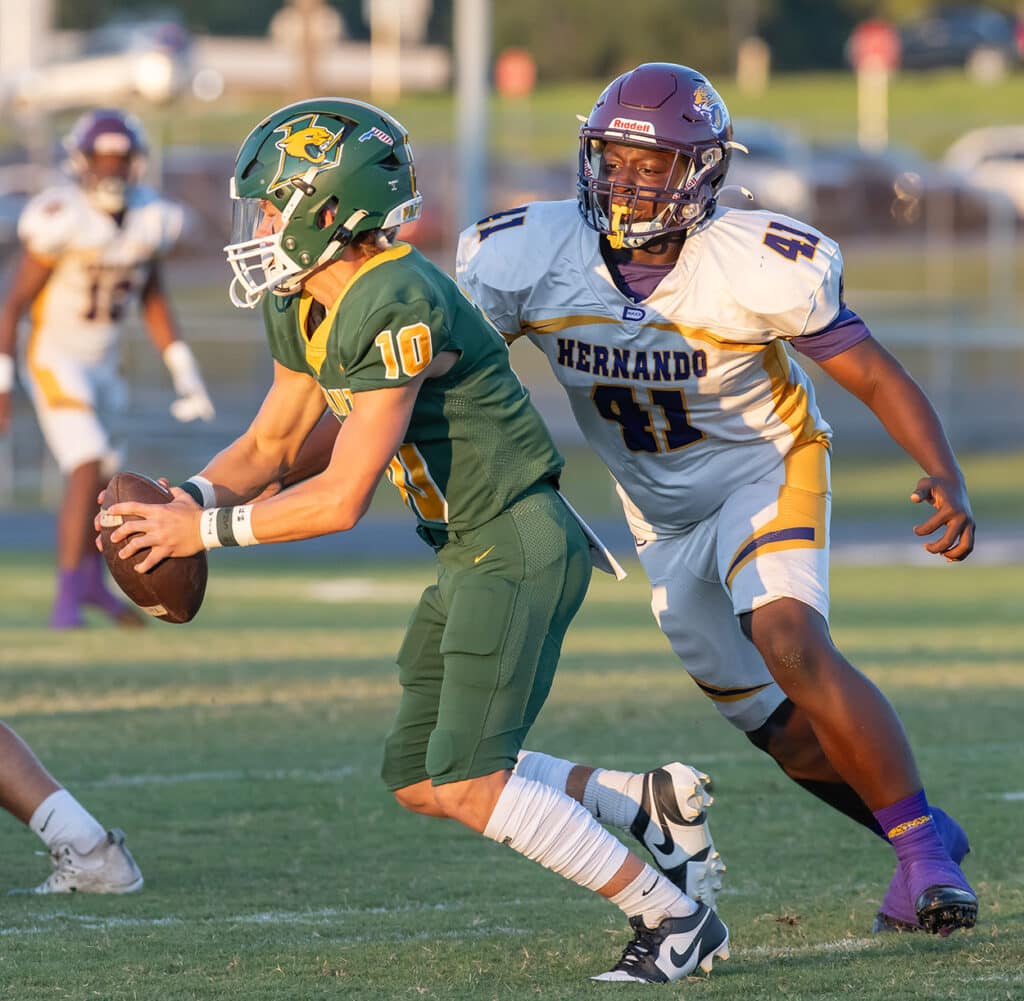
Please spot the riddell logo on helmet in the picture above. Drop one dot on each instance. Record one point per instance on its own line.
(632, 125)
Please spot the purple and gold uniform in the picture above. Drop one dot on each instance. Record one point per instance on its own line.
(71, 357)
(690, 397)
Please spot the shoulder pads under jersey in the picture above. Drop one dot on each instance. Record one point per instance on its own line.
(503, 256)
(768, 271)
(50, 220)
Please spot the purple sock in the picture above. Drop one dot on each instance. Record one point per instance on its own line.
(94, 587)
(922, 857)
(898, 903)
(67, 611)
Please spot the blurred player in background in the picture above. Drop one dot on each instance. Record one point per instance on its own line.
(92, 247)
(421, 384)
(664, 317)
(86, 858)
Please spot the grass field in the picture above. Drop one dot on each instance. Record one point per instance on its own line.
(241, 753)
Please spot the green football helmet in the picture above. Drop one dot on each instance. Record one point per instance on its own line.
(331, 168)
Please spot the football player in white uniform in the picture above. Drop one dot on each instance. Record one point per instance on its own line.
(91, 248)
(665, 318)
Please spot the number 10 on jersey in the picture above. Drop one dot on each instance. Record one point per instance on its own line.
(414, 350)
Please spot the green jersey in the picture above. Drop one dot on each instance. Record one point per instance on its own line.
(475, 442)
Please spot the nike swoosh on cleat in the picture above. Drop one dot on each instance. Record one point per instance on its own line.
(47, 821)
(668, 844)
(679, 959)
(643, 893)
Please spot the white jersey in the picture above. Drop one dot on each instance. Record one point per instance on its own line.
(99, 267)
(689, 394)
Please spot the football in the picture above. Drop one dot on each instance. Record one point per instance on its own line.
(173, 590)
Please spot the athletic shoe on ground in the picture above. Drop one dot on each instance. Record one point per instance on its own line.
(943, 909)
(673, 950)
(107, 868)
(672, 824)
(899, 910)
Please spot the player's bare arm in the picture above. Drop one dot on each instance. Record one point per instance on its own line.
(874, 376)
(265, 451)
(156, 311)
(316, 451)
(262, 453)
(332, 501)
(29, 278)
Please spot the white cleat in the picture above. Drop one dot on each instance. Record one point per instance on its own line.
(673, 950)
(672, 825)
(106, 868)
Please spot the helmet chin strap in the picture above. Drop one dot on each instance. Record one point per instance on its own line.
(340, 239)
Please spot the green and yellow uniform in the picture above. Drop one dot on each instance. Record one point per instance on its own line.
(478, 469)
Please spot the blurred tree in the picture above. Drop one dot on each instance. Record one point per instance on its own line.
(572, 39)
(599, 38)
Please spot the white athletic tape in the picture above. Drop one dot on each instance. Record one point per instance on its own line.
(108, 520)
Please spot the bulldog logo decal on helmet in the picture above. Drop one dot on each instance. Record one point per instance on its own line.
(305, 144)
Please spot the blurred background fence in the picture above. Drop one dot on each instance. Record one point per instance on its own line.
(915, 163)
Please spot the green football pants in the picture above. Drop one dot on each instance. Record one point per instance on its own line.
(479, 656)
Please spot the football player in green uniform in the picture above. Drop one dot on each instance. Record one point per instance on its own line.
(422, 386)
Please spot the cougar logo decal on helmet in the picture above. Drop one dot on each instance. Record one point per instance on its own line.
(305, 143)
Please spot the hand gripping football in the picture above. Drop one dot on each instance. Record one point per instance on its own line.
(173, 590)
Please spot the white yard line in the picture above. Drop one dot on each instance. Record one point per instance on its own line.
(92, 922)
(810, 949)
(44, 923)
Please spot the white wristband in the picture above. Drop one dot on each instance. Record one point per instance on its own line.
(6, 373)
(208, 528)
(227, 526)
(241, 524)
(206, 490)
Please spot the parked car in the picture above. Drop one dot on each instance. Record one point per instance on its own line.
(892, 190)
(984, 41)
(776, 171)
(992, 159)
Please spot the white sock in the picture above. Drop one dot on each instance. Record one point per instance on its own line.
(61, 819)
(614, 797)
(654, 897)
(544, 768)
(551, 828)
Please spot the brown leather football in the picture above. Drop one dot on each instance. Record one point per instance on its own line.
(173, 590)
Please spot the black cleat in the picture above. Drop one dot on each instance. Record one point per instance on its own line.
(943, 909)
(673, 950)
(884, 923)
